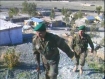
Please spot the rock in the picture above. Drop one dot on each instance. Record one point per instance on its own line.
(100, 54)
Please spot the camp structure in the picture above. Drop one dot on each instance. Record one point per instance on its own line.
(90, 19)
(10, 33)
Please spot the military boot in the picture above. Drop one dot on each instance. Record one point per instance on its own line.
(53, 78)
(80, 70)
(47, 77)
(75, 68)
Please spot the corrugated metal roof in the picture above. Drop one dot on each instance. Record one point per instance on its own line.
(36, 19)
(7, 25)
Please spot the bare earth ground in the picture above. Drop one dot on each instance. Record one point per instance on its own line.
(50, 4)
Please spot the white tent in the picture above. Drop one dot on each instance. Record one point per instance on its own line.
(10, 33)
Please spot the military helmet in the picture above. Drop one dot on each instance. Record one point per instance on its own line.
(83, 27)
(40, 27)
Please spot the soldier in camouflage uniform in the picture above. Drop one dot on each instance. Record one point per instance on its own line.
(47, 44)
(79, 45)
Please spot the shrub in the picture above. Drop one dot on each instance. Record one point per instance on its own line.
(95, 63)
(11, 58)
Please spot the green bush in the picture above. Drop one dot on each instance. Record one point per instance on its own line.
(11, 58)
(97, 66)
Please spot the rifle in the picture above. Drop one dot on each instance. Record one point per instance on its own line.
(97, 47)
(38, 72)
(38, 59)
(38, 67)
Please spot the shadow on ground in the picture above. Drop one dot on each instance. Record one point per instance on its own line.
(26, 66)
(93, 71)
(27, 38)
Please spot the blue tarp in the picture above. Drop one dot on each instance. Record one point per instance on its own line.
(36, 19)
(90, 17)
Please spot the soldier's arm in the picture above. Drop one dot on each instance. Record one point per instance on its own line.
(36, 53)
(37, 58)
(90, 43)
(73, 43)
(63, 46)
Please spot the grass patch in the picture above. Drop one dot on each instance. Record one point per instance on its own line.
(23, 75)
(96, 66)
(96, 63)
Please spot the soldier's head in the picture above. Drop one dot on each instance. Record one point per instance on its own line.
(81, 30)
(40, 30)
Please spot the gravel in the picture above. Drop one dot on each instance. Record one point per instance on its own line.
(27, 67)
(26, 70)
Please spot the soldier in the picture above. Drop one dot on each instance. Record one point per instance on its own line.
(79, 45)
(46, 44)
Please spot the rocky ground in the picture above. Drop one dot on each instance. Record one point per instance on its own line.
(26, 68)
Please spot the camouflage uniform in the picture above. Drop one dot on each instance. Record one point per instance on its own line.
(80, 47)
(50, 53)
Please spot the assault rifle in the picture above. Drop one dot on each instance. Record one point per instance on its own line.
(38, 67)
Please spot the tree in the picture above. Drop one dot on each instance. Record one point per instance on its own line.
(66, 17)
(29, 8)
(94, 30)
(13, 11)
(102, 42)
(75, 16)
(98, 9)
(24, 4)
(52, 14)
(80, 15)
(87, 22)
(64, 11)
(103, 23)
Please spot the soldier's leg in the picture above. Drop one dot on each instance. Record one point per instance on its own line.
(53, 72)
(82, 61)
(77, 57)
(47, 77)
(46, 66)
(75, 68)
(82, 58)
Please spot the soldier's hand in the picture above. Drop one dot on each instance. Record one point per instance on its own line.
(73, 51)
(72, 58)
(38, 68)
(92, 50)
